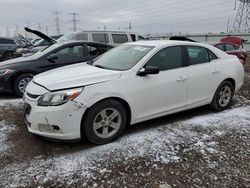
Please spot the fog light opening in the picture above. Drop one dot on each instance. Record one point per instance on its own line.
(50, 128)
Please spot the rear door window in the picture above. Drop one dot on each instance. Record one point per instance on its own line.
(120, 38)
(100, 37)
(198, 55)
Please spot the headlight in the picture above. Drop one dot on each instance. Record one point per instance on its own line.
(5, 71)
(58, 98)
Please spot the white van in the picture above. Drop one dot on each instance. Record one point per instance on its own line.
(109, 37)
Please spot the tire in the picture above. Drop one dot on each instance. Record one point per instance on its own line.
(20, 83)
(223, 96)
(7, 56)
(96, 129)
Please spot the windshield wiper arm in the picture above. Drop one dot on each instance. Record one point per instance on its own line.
(100, 66)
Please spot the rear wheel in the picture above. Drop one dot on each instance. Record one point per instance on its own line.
(104, 122)
(21, 83)
(223, 96)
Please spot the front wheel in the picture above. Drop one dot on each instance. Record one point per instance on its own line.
(223, 96)
(104, 122)
(21, 83)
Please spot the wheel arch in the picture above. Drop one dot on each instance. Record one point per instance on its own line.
(118, 99)
(19, 73)
(231, 80)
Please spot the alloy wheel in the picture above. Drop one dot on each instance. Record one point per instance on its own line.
(107, 123)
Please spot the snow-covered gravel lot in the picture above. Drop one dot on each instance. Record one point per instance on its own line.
(198, 148)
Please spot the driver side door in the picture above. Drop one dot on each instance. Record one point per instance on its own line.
(159, 94)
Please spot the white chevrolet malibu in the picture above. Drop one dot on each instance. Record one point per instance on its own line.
(129, 84)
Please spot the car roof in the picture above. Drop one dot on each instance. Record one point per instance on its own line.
(105, 31)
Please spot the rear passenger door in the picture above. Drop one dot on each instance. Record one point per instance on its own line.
(204, 75)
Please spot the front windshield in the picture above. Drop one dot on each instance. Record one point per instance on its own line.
(123, 57)
(45, 51)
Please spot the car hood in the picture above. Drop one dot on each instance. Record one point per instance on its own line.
(73, 76)
(12, 62)
(42, 35)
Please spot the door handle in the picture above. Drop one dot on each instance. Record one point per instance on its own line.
(181, 78)
(216, 71)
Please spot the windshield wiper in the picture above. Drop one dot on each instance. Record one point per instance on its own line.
(100, 66)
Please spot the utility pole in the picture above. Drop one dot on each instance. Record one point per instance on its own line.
(7, 32)
(129, 26)
(47, 30)
(241, 22)
(57, 21)
(17, 30)
(228, 25)
(74, 20)
(39, 26)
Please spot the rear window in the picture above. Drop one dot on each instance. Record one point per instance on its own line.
(120, 38)
(7, 41)
(100, 37)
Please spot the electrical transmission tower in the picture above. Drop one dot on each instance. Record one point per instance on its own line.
(241, 22)
(74, 20)
(57, 22)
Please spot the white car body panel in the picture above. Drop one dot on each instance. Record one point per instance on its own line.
(148, 97)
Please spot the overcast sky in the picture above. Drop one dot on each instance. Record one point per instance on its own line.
(155, 16)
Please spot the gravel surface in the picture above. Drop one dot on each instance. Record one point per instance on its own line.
(195, 148)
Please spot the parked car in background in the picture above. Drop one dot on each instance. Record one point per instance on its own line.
(108, 37)
(15, 74)
(131, 83)
(44, 42)
(232, 49)
(8, 46)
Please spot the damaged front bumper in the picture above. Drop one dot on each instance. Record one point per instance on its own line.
(55, 122)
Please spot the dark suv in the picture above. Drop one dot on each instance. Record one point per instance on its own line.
(7, 48)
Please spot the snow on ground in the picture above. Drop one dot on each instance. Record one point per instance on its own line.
(159, 144)
(5, 129)
(10, 102)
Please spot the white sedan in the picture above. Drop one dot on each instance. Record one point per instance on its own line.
(132, 83)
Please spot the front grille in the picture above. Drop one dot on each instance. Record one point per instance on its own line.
(32, 96)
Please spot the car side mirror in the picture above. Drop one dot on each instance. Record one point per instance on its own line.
(52, 58)
(148, 70)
